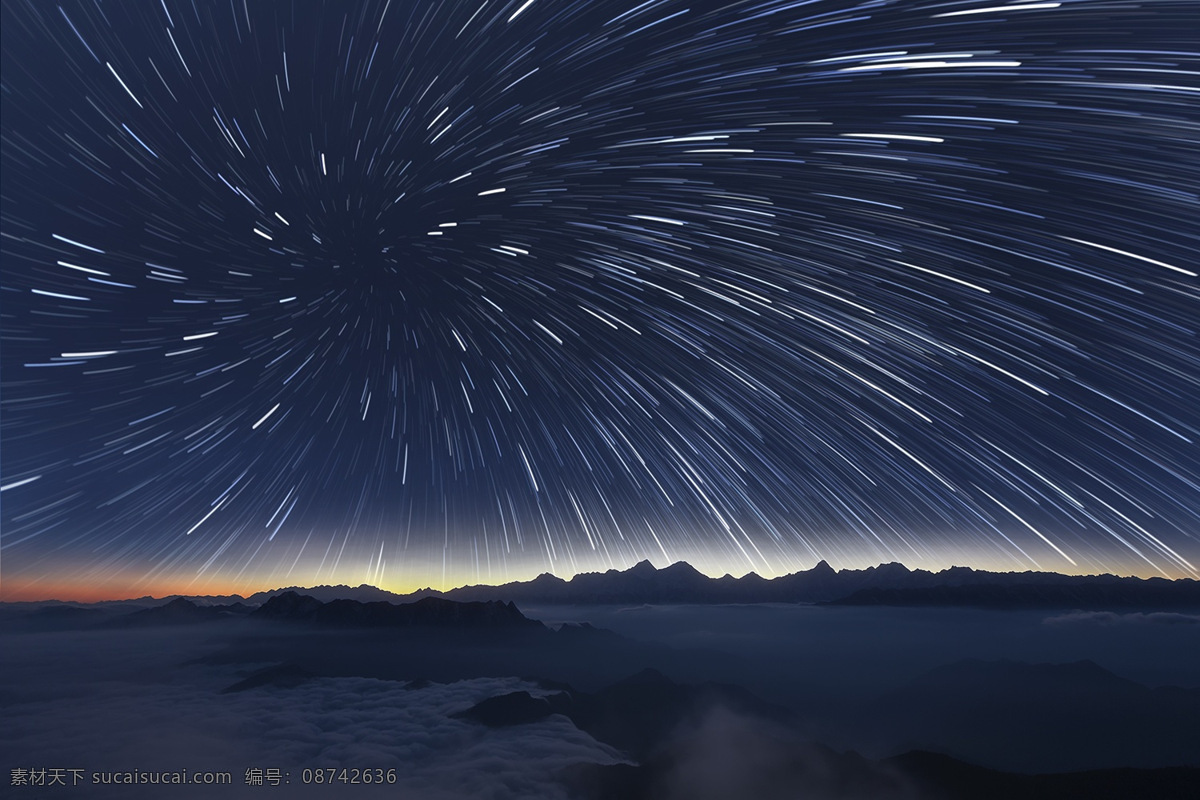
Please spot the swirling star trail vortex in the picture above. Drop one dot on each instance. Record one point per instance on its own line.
(377, 290)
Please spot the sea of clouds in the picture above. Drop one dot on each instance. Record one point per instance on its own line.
(126, 703)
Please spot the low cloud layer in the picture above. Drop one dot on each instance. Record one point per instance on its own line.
(163, 717)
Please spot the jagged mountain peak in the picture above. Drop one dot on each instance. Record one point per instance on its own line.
(681, 568)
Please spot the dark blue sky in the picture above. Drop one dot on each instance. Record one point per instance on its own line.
(407, 292)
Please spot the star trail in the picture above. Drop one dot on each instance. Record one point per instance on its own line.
(406, 292)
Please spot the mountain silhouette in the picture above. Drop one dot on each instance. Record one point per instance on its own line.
(642, 584)
(283, 676)
(180, 611)
(1072, 716)
(427, 612)
(515, 708)
(364, 593)
(886, 584)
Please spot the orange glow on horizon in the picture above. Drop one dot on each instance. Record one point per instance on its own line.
(78, 591)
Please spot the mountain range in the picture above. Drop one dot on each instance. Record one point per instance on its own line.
(890, 584)
(886, 584)
(290, 606)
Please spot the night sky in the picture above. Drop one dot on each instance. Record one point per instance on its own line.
(415, 293)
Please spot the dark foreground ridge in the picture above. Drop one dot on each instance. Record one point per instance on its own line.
(1072, 716)
(740, 746)
(941, 776)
